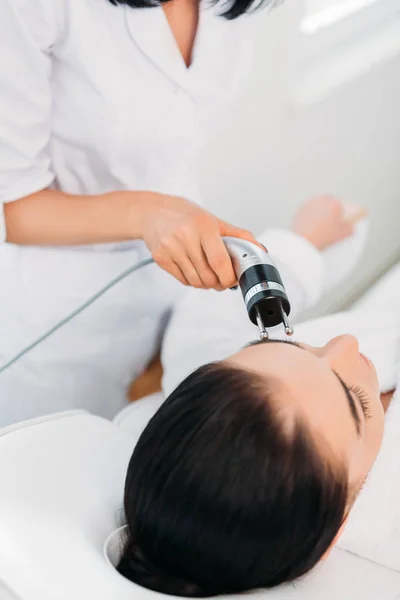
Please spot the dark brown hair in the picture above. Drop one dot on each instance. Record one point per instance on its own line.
(222, 496)
(231, 9)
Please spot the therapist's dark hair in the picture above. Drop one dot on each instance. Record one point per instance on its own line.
(224, 495)
(231, 9)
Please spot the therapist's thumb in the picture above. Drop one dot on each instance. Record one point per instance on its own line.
(226, 229)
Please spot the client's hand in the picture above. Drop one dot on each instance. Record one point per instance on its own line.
(325, 220)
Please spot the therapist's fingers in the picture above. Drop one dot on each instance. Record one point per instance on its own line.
(217, 254)
(188, 254)
(226, 229)
(199, 261)
(219, 259)
(187, 268)
(168, 264)
(172, 256)
(186, 241)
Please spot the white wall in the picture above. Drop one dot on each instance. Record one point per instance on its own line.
(277, 152)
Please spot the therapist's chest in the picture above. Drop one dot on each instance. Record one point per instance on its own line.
(122, 91)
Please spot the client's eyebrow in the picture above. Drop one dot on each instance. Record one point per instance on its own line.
(350, 400)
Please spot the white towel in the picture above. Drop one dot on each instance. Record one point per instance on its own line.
(373, 529)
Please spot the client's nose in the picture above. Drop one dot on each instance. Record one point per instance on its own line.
(341, 351)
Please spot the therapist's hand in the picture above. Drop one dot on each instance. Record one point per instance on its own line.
(185, 240)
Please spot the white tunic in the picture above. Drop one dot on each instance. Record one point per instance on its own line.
(94, 98)
(97, 98)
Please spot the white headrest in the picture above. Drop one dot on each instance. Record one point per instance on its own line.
(62, 480)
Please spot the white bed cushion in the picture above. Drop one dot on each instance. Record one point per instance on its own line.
(62, 481)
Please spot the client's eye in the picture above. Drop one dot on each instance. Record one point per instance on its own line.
(364, 400)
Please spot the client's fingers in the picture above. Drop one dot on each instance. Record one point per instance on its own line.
(352, 213)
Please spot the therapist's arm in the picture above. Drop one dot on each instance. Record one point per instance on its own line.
(52, 218)
(183, 238)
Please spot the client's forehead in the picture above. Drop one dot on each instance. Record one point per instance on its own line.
(307, 386)
(284, 361)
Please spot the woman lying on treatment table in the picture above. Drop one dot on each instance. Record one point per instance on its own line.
(246, 475)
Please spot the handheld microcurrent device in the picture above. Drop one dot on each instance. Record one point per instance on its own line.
(262, 288)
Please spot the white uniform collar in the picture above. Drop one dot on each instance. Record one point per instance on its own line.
(150, 30)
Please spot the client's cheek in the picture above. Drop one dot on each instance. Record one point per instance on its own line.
(374, 437)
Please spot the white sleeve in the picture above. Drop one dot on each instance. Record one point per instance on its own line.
(28, 29)
(300, 265)
(208, 325)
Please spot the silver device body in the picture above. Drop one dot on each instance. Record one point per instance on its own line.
(262, 288)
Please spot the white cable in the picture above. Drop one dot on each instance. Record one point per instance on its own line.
(75, 313)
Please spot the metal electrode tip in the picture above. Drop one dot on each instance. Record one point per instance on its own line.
(263, 332)
(286, 324)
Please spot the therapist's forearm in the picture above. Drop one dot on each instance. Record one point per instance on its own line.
(52, 218)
